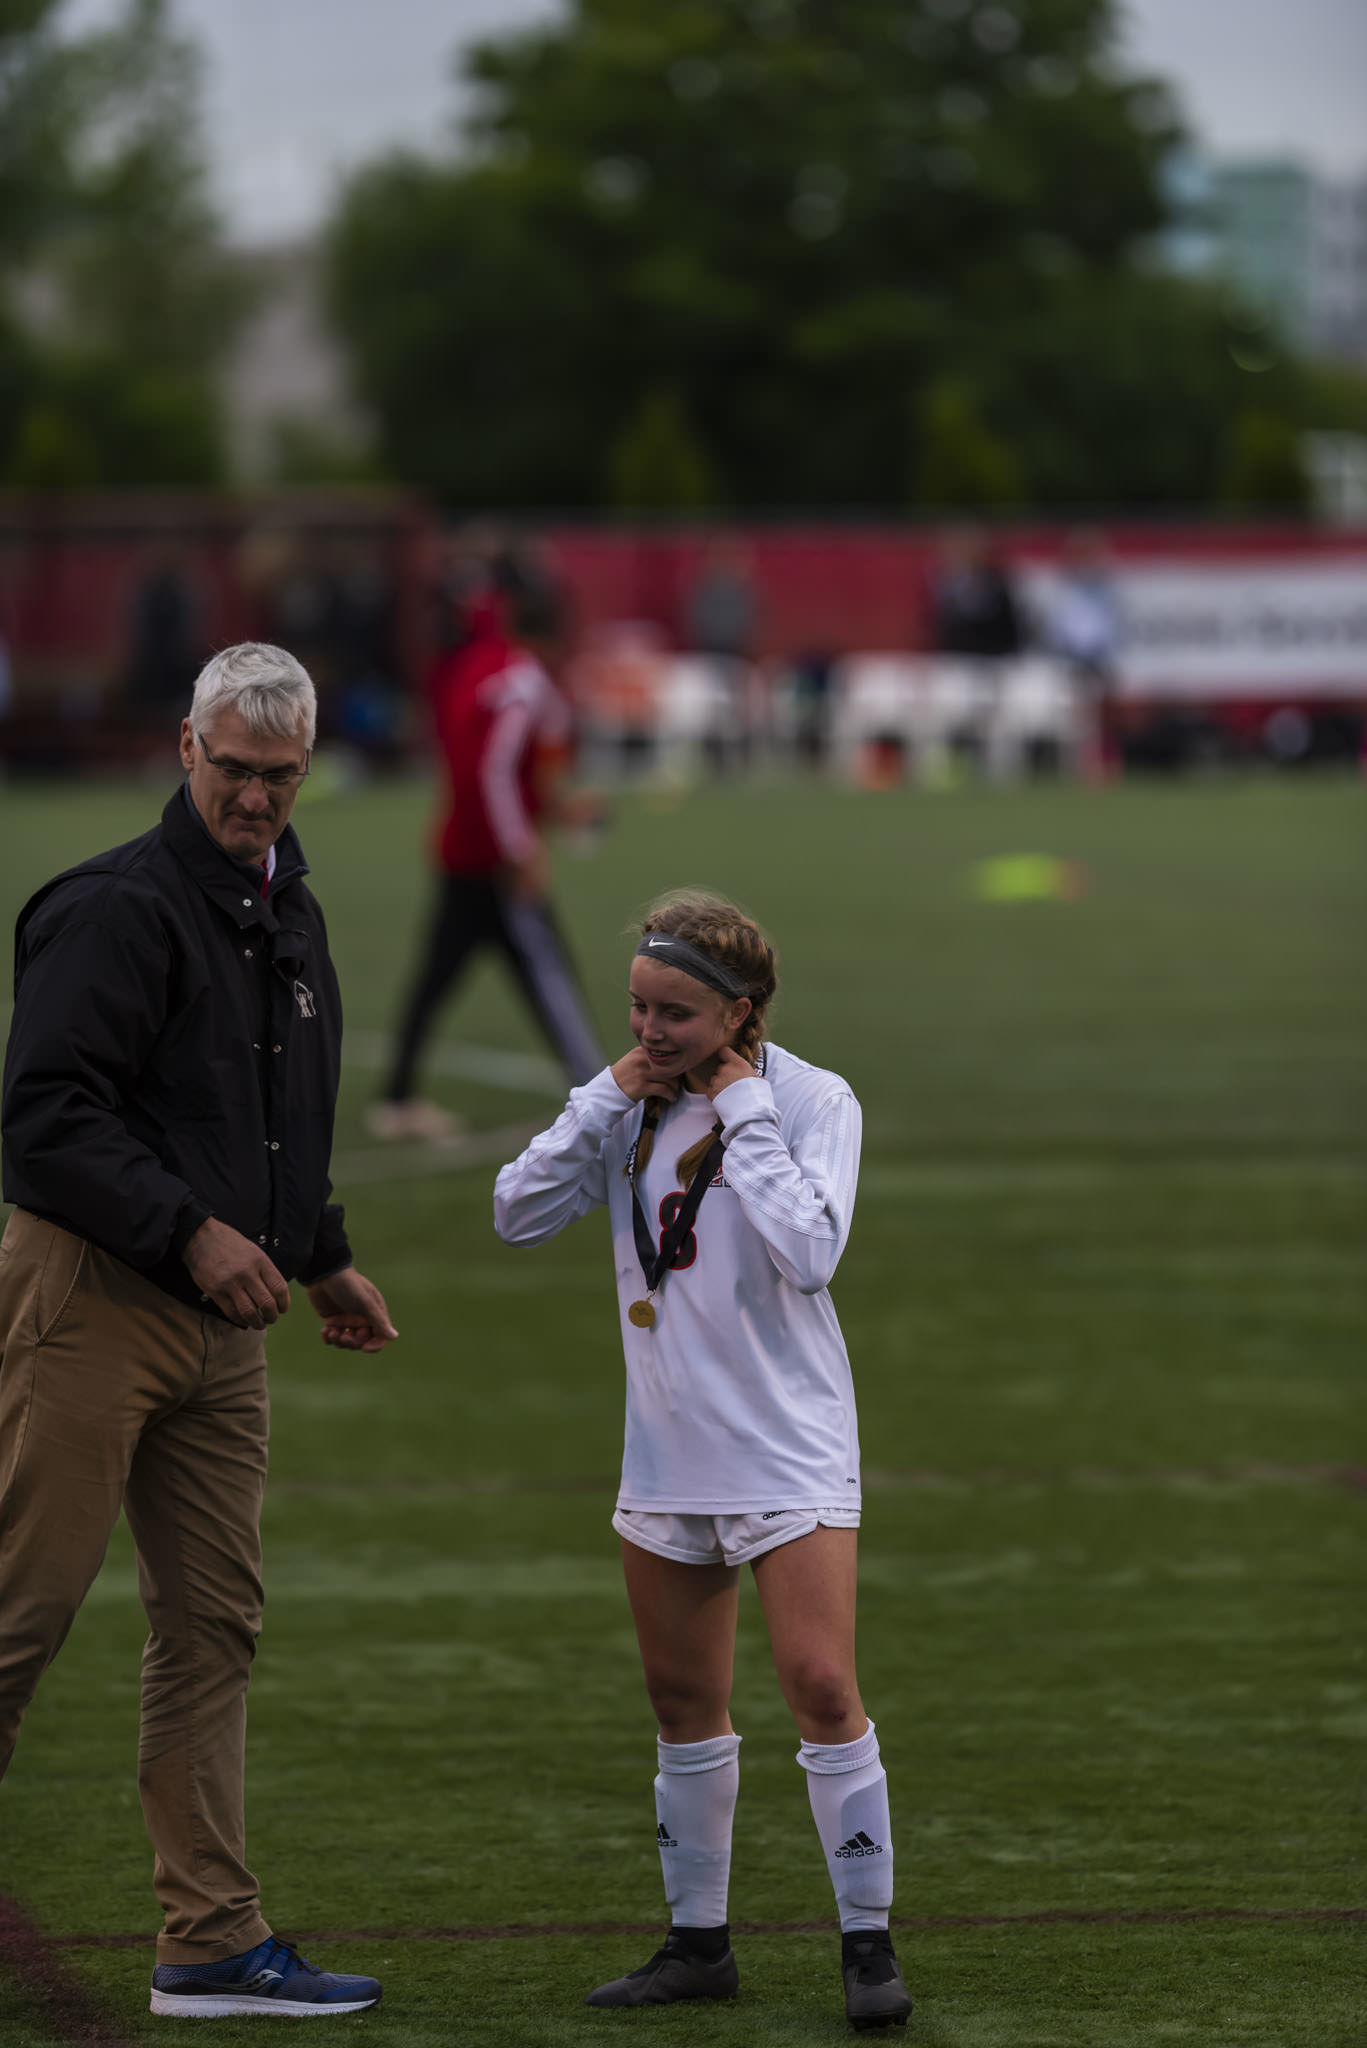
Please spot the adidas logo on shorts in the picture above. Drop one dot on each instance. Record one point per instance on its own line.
(860, 1845)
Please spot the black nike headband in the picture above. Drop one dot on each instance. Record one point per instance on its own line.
(690, 959)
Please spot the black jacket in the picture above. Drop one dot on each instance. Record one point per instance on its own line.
(175, 1054)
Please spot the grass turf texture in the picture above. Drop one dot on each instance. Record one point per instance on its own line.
(1103, 1304)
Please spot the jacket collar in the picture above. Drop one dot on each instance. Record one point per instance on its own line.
(234, 885)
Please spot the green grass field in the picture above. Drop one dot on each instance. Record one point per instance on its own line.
(1104, 1304)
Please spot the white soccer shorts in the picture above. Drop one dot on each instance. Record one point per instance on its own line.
(726, 1539)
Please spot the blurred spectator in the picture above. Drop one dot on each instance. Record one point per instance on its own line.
(723, 612)
(263, 557)
(164, 649)
(1084, 618)
(974, 606)
(366, 708)
(1083, 627)
(811, 687)
(617, 684)
(722, 623)
(467, 577)
(503, 728)
(301, 608)
(974, 614)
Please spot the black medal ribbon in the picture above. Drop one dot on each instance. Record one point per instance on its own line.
(656, 1263)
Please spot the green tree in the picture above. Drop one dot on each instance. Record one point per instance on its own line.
(658, 464)
(1265, 469)
(805, 220)
(961, 461)
(117, 301)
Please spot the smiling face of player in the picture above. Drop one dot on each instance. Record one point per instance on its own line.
(681, 1024)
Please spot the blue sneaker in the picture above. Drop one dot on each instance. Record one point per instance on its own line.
(273, 1978)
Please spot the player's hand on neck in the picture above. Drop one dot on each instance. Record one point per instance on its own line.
(639, 1079)
(719, 1072)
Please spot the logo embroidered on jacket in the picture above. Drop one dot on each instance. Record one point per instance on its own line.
(304, 997)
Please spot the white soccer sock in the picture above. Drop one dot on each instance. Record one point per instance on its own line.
(695, 1798)
(848, 1790)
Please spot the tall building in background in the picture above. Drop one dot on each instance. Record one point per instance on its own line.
(286, 389)
(1295, 247)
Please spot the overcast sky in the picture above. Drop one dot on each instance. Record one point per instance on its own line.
(296, 91)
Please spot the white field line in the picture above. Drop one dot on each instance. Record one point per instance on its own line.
(1045, 1176)
(1233, 1478)
(526, 1072)
(369, 1051)
(530, 1074)
(380, 1163)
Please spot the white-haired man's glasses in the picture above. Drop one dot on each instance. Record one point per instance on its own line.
(240, 775)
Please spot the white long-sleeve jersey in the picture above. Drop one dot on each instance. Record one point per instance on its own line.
(739, 1399)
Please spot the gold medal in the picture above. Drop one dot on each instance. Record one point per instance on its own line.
(642, 1314)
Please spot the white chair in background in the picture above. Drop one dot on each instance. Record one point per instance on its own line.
(1038, 718)
(699, 715)
(875, 699)
(954, 707)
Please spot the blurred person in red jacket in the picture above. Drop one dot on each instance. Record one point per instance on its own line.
(504, 730)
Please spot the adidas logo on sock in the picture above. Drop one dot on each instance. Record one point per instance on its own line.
(664, 1838)
(860, 1845)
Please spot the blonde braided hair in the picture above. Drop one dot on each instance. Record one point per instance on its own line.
(724, 932)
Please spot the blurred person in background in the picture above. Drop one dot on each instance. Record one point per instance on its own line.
(723, 610)
(723, 624)
(504, 730)
(367, 710)
(165, 642)
(974, 610)
(468, 571)
(1084, 628)
(810, 682)
(301, 605)
(728, 1168)
(167, 1113)
(975, 616)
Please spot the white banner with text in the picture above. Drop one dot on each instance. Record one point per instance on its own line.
(1283, 627)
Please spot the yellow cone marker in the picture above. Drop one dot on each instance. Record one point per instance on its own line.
(1028, 878)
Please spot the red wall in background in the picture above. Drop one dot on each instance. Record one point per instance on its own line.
(68, 566)
(840, 588)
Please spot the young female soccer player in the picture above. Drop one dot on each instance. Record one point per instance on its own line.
(728, 1168)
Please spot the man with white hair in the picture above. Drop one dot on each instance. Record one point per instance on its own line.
(167, 1122)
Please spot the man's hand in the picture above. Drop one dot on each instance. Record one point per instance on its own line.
(236, 1275)
(530, 879)
(730, 1067)
(353, 1311)
(581, 810)
(636, 1077)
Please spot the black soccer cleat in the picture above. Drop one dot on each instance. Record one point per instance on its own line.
(673, 1972)
(875, 1995)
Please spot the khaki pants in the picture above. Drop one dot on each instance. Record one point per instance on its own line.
(114, 1395)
